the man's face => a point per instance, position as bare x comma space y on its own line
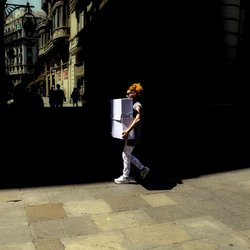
130, 94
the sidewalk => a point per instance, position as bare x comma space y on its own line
65, 104
209, 212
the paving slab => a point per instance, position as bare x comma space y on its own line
207, 212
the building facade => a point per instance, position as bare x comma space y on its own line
59, 50
21, 50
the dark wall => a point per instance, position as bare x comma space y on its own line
176, 52
156, 45
138, 41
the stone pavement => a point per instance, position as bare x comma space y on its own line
208, 212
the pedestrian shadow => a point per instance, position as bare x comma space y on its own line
160, 185
157, 180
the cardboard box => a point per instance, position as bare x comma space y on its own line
121, 117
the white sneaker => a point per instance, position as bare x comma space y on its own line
144, 172
122, 180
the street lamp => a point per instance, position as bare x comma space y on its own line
29, 25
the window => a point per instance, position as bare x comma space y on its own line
29, 56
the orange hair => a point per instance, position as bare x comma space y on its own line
136, 87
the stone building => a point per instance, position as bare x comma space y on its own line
59, 51
21, 50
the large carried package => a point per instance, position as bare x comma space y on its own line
121, 117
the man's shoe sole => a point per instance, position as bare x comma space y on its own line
120, 182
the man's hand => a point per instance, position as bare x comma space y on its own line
125, 135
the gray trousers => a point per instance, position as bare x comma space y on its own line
129, 158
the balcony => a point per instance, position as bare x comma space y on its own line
61, 33
45, 50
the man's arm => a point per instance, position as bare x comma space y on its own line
136, 120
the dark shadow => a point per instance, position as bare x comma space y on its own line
184, 137
156, 180
62, 146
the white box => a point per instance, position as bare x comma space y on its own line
121, 116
